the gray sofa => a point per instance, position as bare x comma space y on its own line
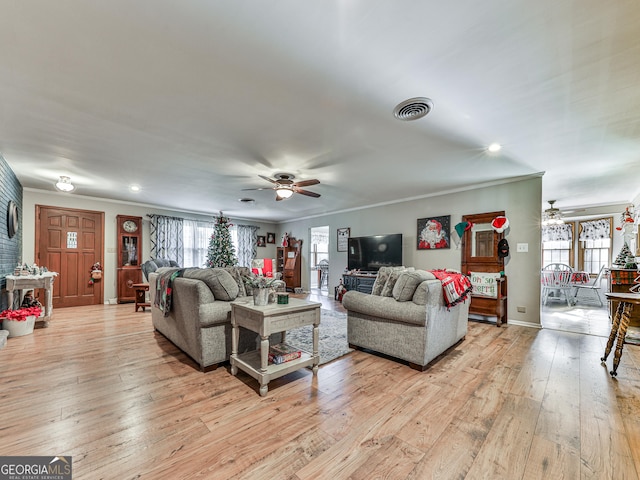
199, 320
405, 317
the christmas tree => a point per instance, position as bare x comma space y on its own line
624, 254
221, 251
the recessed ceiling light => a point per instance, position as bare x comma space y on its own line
248, 201
494, 147
134, 188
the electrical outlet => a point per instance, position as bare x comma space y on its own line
521, 309
522, 247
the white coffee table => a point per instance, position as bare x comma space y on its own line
266, 320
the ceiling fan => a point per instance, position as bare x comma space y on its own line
285, 187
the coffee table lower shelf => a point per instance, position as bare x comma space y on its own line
250, 363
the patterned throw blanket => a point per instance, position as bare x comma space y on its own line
164, 289
455, 286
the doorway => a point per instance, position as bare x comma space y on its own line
70, 241
319, 260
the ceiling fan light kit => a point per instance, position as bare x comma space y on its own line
285, 187
552, 215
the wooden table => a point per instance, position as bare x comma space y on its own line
141, 295
28, 282
620, 325
266, 320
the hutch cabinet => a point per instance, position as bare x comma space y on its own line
289, 263
129, 272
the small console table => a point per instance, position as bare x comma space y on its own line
28, 282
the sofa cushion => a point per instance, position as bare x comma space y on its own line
407, 282
222, 284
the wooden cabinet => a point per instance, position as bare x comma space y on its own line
359, 283
129, 231
620, 281
289, 263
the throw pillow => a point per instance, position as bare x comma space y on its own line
387, 290
407, 283
381, 279
240, 274
222, 284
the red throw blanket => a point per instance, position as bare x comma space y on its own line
455, 286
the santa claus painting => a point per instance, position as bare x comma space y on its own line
433, 233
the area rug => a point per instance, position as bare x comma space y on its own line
333, 336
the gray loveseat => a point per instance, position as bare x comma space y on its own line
405, 317
199, 320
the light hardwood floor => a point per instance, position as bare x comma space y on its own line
508, 403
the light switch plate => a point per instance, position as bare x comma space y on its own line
522, 247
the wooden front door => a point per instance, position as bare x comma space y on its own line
70, 241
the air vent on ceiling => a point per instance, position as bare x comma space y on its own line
413, 108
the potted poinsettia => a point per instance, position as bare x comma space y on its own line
21, 321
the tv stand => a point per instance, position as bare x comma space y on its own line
360, 282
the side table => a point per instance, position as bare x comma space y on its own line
620, 324
266, 320
141, 295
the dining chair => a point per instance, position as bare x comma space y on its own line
558, 266
556, 281
594, 286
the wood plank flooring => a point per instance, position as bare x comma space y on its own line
507, 403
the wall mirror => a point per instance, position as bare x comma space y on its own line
480, 242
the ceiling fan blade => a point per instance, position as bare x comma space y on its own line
306, 192
306, 183
262, 188
267, 179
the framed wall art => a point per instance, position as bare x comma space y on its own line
343, 238
261, 242
271, 237
434, 233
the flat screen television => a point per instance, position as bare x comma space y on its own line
370, 253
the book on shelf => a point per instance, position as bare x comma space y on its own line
282, 353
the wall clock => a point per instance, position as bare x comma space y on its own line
130, 226
12, 219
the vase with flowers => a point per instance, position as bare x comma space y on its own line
264, 287
21, 321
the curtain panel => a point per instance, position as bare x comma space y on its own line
166, 236
247, 240
595, 230
556, 233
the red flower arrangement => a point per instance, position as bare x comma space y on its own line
21, 314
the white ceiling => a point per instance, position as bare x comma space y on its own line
193, 99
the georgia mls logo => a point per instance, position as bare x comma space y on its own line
35, 468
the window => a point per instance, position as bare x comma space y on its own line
196, 242
594, 250
557, 244
197, 236
556, 252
